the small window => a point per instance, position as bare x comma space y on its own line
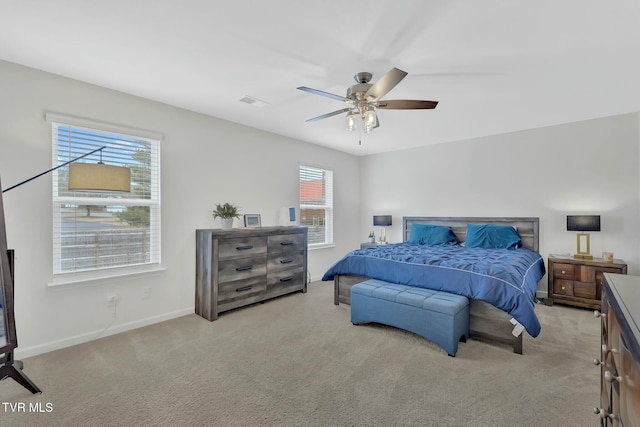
99, 230
316, 204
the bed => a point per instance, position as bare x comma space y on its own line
500, 283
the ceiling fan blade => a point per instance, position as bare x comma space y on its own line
385, 84
324, 116
322, 93
407, 104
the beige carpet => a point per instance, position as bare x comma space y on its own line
298, 361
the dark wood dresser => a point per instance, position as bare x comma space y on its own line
578, 282
238, 267
620, 359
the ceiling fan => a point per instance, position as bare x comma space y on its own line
364, 98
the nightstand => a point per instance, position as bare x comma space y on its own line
578, 282
367, 245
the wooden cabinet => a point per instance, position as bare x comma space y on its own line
620, 351
579, 282
238, 267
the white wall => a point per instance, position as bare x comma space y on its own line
204, 161
587, 167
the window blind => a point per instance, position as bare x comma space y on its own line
316, 204
97, 230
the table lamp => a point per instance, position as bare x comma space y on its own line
583, 223
382, 221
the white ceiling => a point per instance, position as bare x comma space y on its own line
495, 66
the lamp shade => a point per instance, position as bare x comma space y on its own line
99, 177
382, 220
583, 222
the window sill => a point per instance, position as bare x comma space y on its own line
113, 273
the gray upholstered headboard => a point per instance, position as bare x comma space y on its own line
528, 228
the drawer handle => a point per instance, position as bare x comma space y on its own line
286, 279
602, 316
564, 272
286, 243
286, 261
244, 248
604, 414
609, 377
606, 350
245, 268
244, 288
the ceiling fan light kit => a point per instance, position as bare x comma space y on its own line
351, 121
363, 98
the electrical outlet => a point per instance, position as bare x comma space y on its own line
112, 298
146, 292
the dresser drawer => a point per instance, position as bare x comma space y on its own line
563, 271
287, 243
242, 247
284, 262
629, 387
614, 342
291, 278
240, 289
242, 268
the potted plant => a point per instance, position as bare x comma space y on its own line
226, 212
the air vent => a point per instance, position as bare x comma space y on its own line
253, 101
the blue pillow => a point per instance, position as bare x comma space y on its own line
491, 236
425, 234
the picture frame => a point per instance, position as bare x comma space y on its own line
252, 221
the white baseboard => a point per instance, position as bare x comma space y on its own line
21, 353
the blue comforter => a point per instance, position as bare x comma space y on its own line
506, 279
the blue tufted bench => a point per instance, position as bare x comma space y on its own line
440, 317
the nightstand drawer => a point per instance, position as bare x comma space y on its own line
584, 289
563, 287
563, 271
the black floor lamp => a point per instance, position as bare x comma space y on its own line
82, 177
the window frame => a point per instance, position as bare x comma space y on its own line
154, 202
328, 206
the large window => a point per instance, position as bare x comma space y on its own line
316, 204
101, 230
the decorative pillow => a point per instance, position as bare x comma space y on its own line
425, 234
492, 236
